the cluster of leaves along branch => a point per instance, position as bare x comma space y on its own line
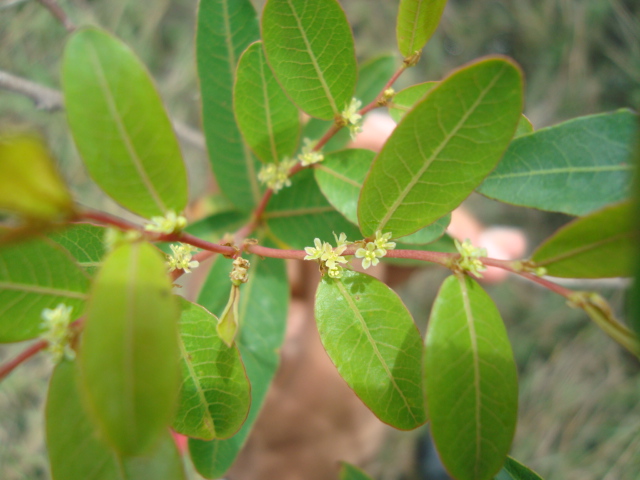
135, 359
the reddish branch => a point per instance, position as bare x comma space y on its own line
29, 352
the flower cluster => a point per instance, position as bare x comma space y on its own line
373, 251
276, 175
331, 258
170, 223
181, 258
351, 118
57, 334
308, 156
470, 258
239, 274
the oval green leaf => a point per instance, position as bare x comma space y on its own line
85, 243
404, 100
75, 450
575, 167
310, 49
269, 122
35, 275
513, 470
263, 307
599, 245
129, 351
371, 338
417, 21
225, 29
300, 212
349, 472
120, 126
215, 392
471, 381
442, 149
30, 185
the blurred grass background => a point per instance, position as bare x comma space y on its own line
579, 409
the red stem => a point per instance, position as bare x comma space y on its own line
376, 102
29, 352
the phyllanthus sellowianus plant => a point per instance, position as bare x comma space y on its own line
135, 359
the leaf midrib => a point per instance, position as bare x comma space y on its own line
23, 287
113, 109
436, 152
554, 171
372, 342
584, 248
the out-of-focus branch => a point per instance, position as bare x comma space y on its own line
48, 99
57, 11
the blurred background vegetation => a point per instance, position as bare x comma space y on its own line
579, 410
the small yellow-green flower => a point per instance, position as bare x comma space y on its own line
170, 223
351, 118
57, 333
308, 156
181, 258
470, 258
382, 242
240, 271
373, 251
276, 175
331, 258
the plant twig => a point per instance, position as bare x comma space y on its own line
57, 11
50, 100
29, 352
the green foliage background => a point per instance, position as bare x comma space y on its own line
579, 412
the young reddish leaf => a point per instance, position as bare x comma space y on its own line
120, 126
470, 381
129, 352
371, 338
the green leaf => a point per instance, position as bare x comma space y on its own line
442, 149
514, 470
371, 338
85, 243
214, 227
575, 167
599, 245
525, 127
471, 381
75, 450
35, 275
120, 126
269, 122
310, 49
215, 393
225, 29
298, 214
129, 352
340, 177
263, 314
349, 472
373, 75
30, 186
404, 100
417, 21
430, 233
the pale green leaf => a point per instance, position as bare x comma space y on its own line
371, 338
85, 243
129, 351
310, 49
225, 28
513, 470
263, 315
269, 122
35, 275
417, 21
575, 167
300, 213
75, 450
596, 246
471, 381
525, 127
120, 126
404, 100
215, 392
349, 472
430, 233
442, 149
